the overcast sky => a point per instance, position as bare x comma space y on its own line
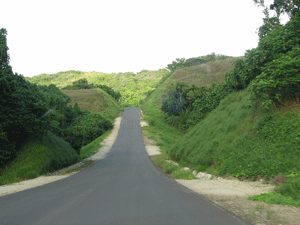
123, 35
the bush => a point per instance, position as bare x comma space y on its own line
85, 129
83, 84
280, 79
176, 101
187, 105
291, 187
238, 78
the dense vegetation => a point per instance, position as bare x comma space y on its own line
38, 156
69, 122
186, 105
22, 106
133, 88
247, 125
83, 84
271, 70
96, 101
41, 116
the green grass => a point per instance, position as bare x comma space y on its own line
275, 198
164, 134
240, 140
203, 145
236, 139
287, 193
174, 171
37, 157
205, 74
96, 101
93, 147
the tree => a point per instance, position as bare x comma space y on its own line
4, 56
279, 7
290, 7
21, 106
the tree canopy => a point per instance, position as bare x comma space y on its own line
278, 7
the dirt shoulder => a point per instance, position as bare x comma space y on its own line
232, 195
24, 185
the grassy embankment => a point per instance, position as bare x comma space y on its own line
235, 139
39, 157
164, 134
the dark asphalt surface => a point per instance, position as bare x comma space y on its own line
123, 188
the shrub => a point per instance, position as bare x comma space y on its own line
280, 79
187, 105
85, 129
291, 187
176, 101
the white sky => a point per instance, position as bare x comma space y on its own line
123, 35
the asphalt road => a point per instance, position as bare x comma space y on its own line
123, 188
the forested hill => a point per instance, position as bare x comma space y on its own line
134, 88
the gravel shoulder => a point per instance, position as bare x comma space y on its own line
39, 181
232, 194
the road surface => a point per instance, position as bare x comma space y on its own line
123, 188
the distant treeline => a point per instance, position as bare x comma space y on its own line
181, 63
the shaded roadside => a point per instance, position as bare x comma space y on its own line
68, 171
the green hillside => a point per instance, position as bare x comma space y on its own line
165, 134
204, 74
41, 130
96, 101
193, 75
133, 87
200, 75
244, 123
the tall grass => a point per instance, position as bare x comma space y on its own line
175, 171
240, 140
203, 145
93, 147
164, 134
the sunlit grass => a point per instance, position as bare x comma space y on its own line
96, 101
93, 147
174, 171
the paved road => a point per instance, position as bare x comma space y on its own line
123, 188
